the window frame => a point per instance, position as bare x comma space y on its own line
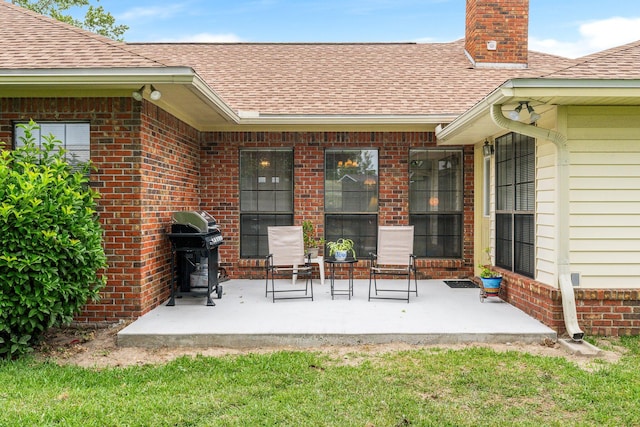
431, 210
363, 223
263, 217
515, 203
71, 153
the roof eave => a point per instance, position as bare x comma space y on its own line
464, 129
117, 80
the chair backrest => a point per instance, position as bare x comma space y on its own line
395, 244
286, 245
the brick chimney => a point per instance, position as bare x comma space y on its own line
497, 33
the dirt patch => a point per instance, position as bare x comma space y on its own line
97, 348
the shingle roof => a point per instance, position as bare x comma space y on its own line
32, 41
344, 78
622, 62
288, 78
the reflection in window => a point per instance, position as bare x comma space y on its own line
74, 138
266, 197
435, 202
515, 203
351, 197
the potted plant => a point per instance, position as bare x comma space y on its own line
491, 279
311, 242
341, 248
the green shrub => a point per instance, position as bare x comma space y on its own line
51, 253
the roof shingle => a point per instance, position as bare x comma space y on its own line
344, 78
29, 40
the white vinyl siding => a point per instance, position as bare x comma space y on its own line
604, 145
546, 213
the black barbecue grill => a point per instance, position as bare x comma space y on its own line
195, 238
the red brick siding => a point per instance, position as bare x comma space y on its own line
146, 168
503, 21
150, 165
220, 185
170, 175
609, 312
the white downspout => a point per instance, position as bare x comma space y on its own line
562, 199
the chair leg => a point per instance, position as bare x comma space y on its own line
273, 289
266, 285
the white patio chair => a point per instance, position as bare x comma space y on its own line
286, 258
394, 258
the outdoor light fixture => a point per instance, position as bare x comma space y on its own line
155, 94
137, 94
487, 149
515, 114
533, 116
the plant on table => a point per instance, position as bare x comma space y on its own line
311, 241
341, 246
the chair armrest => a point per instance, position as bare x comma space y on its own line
268, 260
374, 258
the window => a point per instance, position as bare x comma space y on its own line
75, 138
266, 197
435, 202
351, 198
515, 203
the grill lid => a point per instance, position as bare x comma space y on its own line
201, 221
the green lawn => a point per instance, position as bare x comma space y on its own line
472, 387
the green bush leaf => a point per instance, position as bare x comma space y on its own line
50, 242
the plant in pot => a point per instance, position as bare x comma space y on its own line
490, 278
311, 242
341, 248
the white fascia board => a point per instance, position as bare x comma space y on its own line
468, 118
547, 83
528, 88
134, 77
96, 75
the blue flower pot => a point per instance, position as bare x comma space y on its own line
340, 255
491, 282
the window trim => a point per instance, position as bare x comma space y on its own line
448, 213
354, 214
69, 152
257, 213
515, 214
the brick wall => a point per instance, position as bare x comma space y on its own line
147, 166
609, 312
150, 164
170, 167
503, 21
220, 183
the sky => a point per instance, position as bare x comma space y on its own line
570, 28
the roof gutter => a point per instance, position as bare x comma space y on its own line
118, 76
535, 88
562, 201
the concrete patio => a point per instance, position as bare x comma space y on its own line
244, 318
